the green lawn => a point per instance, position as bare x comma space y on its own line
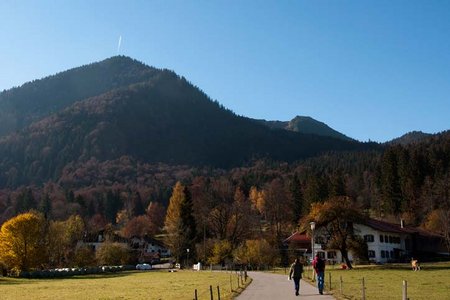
385, 282
125, 285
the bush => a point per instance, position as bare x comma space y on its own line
112, 254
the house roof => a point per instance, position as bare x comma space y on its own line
396, 228
385, 226
298, 237
305, 239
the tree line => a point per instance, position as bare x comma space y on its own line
223, 215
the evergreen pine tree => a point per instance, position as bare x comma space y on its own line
45, 206
297, 198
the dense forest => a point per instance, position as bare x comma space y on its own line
402, 181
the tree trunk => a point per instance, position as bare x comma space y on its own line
344, 253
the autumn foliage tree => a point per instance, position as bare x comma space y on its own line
22, 242
112, 254
334, 219
180, 223
438, 221
221, 252
62, 239
139, 226
256, 253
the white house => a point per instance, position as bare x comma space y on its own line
145, 248
386, 242
150, 248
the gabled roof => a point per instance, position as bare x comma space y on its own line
396, 228
298, 237
385, 226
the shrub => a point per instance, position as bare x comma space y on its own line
112, 254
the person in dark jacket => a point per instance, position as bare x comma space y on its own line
296, 273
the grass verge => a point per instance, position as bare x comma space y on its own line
126, 285
385, 282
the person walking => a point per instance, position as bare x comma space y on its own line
296, 273
319, 267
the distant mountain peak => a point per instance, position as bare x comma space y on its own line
410, 138
35, 100
306, 125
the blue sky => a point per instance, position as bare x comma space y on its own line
369, 69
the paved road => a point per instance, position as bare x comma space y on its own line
268, 286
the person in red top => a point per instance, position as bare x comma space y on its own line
319, 267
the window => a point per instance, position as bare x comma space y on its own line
383, 254
371, 253
331, 254
368, 238
386, 239
381, 238
391, 240
392, 254
387, 254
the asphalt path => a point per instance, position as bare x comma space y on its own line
269, 286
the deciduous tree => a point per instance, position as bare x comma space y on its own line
112, 254
22, 241
180, 223
334, 219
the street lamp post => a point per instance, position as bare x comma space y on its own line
187, 262
313, 227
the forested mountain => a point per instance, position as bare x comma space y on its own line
122, 144
161, 119
21, 106
409, 138
306, 125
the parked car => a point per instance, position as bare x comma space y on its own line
143, 267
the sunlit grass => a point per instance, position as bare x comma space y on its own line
385, 282
126, 285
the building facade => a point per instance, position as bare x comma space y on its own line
386, 242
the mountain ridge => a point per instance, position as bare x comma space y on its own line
34, 100
163, 119
306, 125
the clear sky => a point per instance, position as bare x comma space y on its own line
369, 69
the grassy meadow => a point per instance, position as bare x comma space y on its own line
126, 285
385, 282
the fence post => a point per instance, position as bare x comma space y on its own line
231, 283
237, 277
329, 276
211, 292
363, 290
195, 295
340, 284
405, 290
218, 292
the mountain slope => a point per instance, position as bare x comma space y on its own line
21, 106
306, 125
410, 138
164, 119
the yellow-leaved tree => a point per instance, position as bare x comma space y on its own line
173, 226
334, 220
22, 242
